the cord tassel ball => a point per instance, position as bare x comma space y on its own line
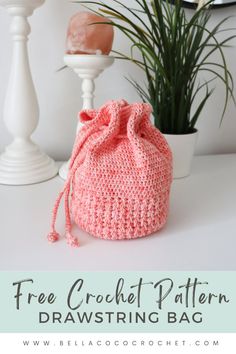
53, 237
71, 240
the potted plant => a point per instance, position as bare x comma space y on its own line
173, 50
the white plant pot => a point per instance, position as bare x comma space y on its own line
182, 147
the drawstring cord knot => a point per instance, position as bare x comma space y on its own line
53, 236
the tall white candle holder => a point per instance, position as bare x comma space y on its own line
88, 68
22, 161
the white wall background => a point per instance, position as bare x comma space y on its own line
59, 92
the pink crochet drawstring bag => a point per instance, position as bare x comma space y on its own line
120, 175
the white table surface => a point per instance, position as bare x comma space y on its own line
200, 233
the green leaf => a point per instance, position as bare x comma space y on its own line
173, 52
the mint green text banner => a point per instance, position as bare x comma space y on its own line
117, 302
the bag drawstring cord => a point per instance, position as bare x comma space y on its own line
54, 236
75, 161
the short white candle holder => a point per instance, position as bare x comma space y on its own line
22, 162
88, 68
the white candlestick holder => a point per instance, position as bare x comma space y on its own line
88, 68
22, 161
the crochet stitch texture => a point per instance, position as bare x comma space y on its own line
120, 175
